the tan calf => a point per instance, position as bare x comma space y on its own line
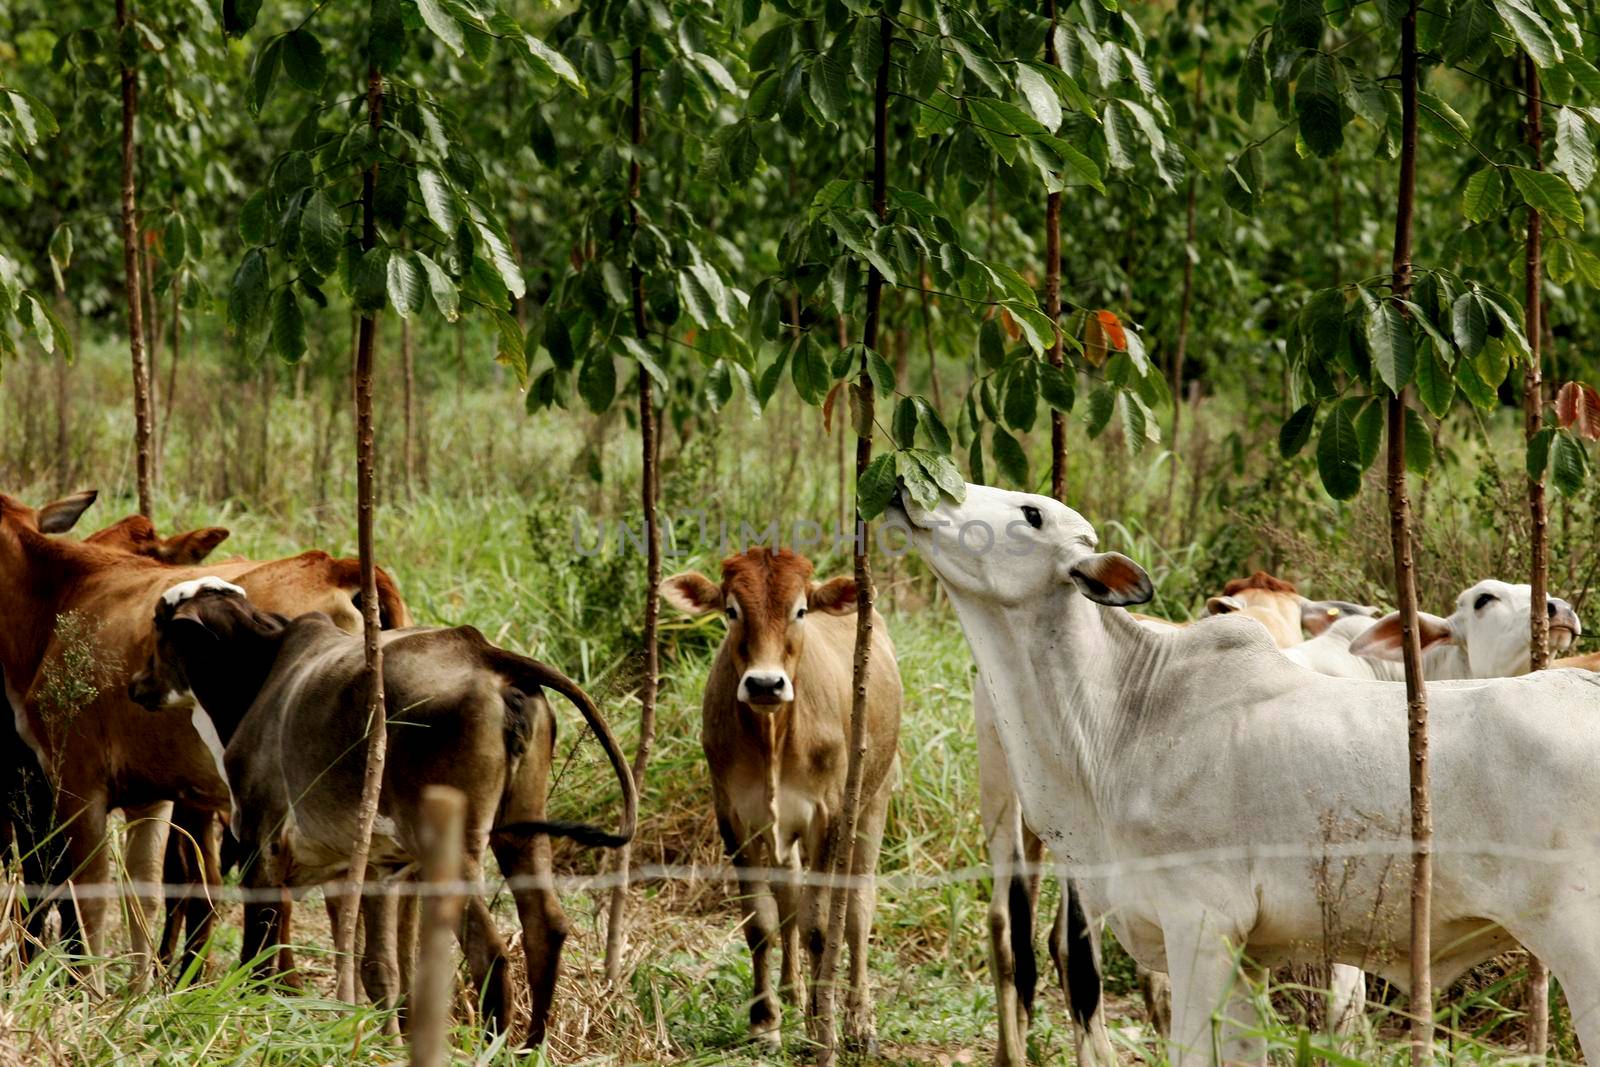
775, 726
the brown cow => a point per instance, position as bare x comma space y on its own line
78, 618
775, 725
288, 699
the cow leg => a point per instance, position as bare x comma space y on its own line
144, 850
1155, 989
1205, 980
337, 917
1566, 940
1011, 957
192, 861
380, 966
1347, 1000
1075, 950
265, 925
486, 953
759, 912
860, 1029
526, 862
89, 865
789, 895
407, 909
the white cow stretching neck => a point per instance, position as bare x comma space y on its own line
1211, 789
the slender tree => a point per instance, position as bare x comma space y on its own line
1052, 292
377, 721
1405, 577
842, 831
1538, 542
616, 929
130, 263
1186, 299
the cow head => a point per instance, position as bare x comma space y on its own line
183, 635
136, 534
1011, 547
766, 596
1278, 606
20, 523
1490, 624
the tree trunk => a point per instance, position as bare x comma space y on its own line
842, 828
377, 721
152, 351
840, 415
170, 394
1406, 582
409, 450
1538, 1007
650, 456
1052, 293
1186, 301
130, 268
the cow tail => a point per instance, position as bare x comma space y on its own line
530, 673
392, 611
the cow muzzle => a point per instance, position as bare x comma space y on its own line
151, 694
1565, 627
765, 688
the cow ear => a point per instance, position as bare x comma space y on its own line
1223, 605
1113, 579
837, 596
1383, 639
186, 549
1316, 616
59, 516
691, 592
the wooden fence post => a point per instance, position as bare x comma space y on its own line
443, 816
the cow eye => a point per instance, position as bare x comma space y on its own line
1031, 513
1483, 601
731, 612
800, 612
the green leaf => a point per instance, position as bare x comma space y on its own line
445, 295
830, 83
1436, 386
1538, 460
1339, 455
1481, 198
552, 64
1300, 22
1442, 120
557, 341
247, 294
1055, 385
945, 474
386, 35
1241, 183
933, 427
809, 372
541, 138
981, 66
437, 199
264, 73
60, 251
1316, 106
1569, 464
1118, 132
369, 280
1296, 432
442, 23
975, 459
597, 379
1574, 150
288, 326
239, 16
1469, 323
1419, 444
1041, 97
1389, 337
505, 264
322, 233
1010, 458
1547, 193
1531, 30
405, 285
1471, 26
1368, 414
876, 486
303, 60
1020, 402
903, 427
881, 373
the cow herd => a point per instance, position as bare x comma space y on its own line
1198, 781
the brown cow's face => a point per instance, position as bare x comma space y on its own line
21, 525
765, 596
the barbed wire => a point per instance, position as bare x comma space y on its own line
403, 882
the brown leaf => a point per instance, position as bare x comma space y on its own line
1094, 341
1013, 331
1578, 407
1112, 327
827, 408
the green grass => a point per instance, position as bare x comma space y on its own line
488, 541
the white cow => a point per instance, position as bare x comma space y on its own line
1195, 774
1485, 637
